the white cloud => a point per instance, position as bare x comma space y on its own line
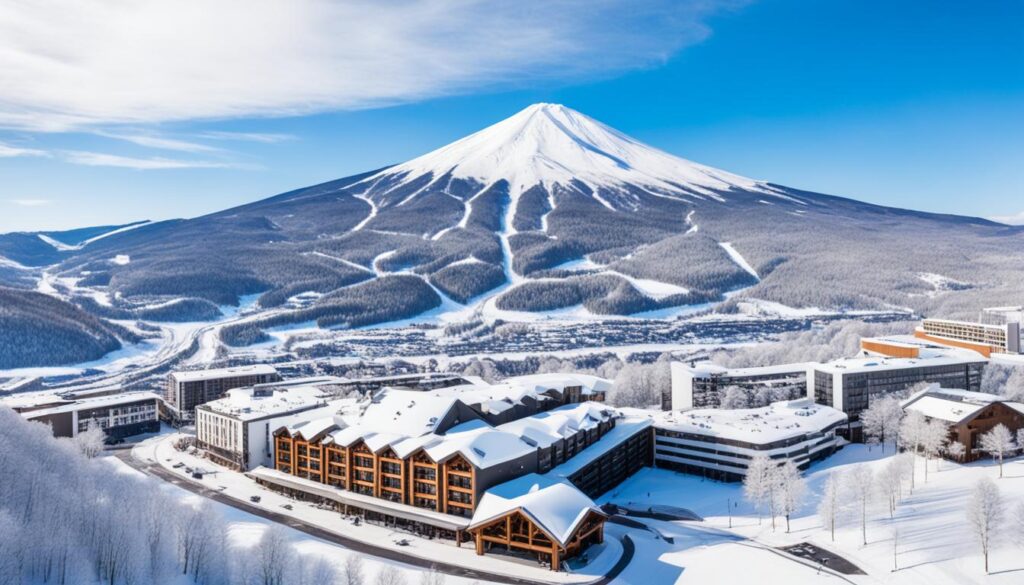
1017, 219
31, 202
8, 151
68, 63
159, 142
267, 138
101, 159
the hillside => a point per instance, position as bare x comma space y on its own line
40, 330
549, 210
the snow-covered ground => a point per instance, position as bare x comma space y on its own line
935, 546
236, 485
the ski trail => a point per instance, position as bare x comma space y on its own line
694, 228
372, 214
343, 261
739, 259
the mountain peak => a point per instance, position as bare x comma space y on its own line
547, 144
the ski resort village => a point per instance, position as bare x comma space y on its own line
473, 292
898, 463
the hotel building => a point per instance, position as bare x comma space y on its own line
188, 389
699, 385
431, 462
719, 444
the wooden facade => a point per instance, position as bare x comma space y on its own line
968, 432
517, 532
449, 486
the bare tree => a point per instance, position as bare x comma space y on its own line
390, 575
862, 489
882, 420
352, 571
273, 556
934, 437
890, 480
984, 514
792, 489
912, 431
998, 443
830, 504
757, 483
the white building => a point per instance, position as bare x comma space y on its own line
719, 444
699, 385
237, 430
119, 415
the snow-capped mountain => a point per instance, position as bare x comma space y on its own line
550, 145
548, 210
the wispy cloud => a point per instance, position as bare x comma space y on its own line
101, 159
67, 63
1017, 219
267, 138
160, 142
30, 202
8, 151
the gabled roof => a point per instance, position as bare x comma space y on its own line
408, 412
311, 430
481, 445
554, 506
954, 405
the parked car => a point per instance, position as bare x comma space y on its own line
254, 499
178, 465
287, 506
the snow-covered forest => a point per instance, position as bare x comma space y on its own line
69, 519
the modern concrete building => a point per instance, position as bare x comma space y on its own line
984, 338
119, 415
850, 384
237, 430
969, 414
700, 384
719, 444
188, 389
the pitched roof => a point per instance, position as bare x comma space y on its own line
555, 506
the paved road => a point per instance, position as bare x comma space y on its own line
353, 544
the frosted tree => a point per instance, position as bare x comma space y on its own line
912, 431
984, 514
352, 571
90, 441
758, 483
390, 575
862, 489
956, 450
998, 443
934, 437
733, 398
792, 489
890, 480
273, 556
882, 420
830, 504
432, 577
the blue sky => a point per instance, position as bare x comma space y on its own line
910, 104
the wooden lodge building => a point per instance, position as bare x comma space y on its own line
969, 414
439, 463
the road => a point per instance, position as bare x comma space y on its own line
352, 544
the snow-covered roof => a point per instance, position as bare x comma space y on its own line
90, 403
233, 372
261, 401
776, 422
409, 412
934, 357
706, 369
625, 427
555, 506
546, 428
482, 445
310, 429
591, 384
953, 405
